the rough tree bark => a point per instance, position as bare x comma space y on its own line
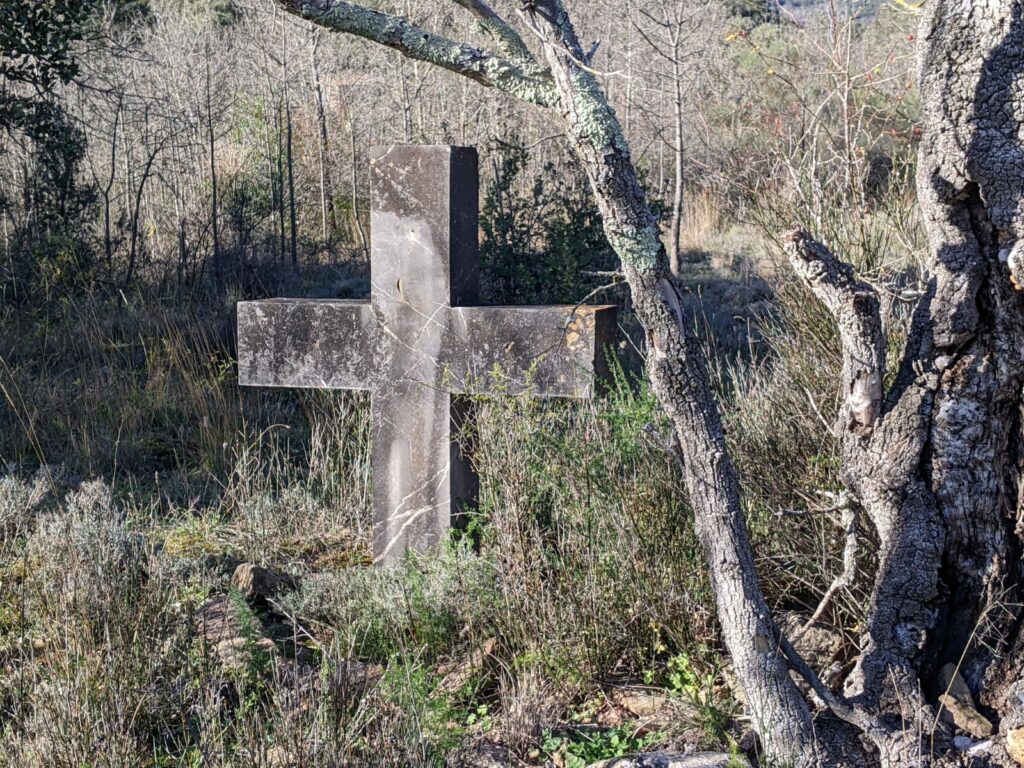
934, 460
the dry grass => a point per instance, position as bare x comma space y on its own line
584, 572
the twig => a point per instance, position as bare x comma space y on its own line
851, 520
839, 707
574, 59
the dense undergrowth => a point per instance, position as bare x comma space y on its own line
579, 573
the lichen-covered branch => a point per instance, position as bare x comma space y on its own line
504, 35
855, 307
417, 43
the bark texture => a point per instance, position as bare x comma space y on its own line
933, 460
936, 469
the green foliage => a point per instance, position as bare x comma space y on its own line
583, 506
580, 748
755, 10
427, 727
37, 41
696, 677
130, 13
421, 603
52, 253
539, 242
252, 675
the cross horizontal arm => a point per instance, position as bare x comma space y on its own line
417, 43
312, 344
547, 351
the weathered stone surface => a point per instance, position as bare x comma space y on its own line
237, 653
1015, 744
958, 704
421, 339
668, 760
228, 636
216, 620
641, 702
819, 644
653, 709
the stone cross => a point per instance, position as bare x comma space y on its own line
421, 341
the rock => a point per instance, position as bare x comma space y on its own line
963, 743
818, 644
653, 708
980, 748
668, 760
458, 676
238, 653
258, 583
1015, 744
958, 704
217, 621
232, 639
642, 702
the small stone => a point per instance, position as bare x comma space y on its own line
980, 748
958, 704
963, 743
238, 652
231, 637
216, 620
258, 583
642, 702
1015, 744
818, 644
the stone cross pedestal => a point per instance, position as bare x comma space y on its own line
420, 341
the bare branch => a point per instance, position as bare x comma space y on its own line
417, 43
851, 528
856, 309
855, 716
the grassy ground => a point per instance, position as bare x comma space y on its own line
139, 477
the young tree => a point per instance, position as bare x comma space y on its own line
676, 34
933, 459
37, 42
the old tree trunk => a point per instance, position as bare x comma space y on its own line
934, 460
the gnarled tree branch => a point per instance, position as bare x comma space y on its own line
679, 377
417, 43
856, 310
